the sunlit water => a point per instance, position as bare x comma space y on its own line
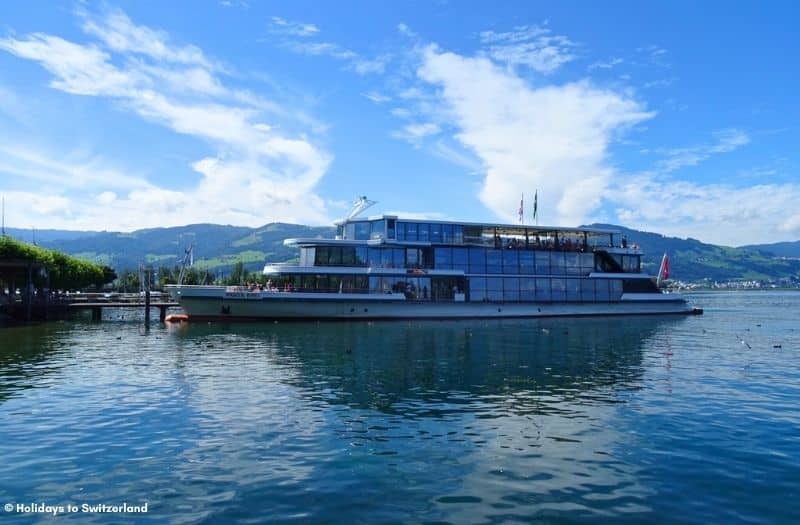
619, 420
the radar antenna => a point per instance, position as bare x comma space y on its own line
361, 204
188, 259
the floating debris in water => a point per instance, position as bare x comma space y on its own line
777, 346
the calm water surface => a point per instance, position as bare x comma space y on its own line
622, 420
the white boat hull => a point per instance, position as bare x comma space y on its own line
216, 304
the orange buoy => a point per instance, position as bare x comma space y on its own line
176, 318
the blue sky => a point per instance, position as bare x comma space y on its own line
676, 117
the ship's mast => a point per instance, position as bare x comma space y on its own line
361, 204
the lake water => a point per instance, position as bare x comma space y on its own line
618, 420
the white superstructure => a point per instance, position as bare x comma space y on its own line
388, 267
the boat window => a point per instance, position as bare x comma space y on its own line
361, 283
494, 288
586, 263
362, 231
615, 289
511, 261
447, 234
374, 255
572, 263
527, 289
378, 229
401, 231
526, 262
630, 263
573, 289
587, 289
340, 231
335, 255
443, 258
390, 228
361, 256
321, 258
411, 231
436, 232
494, 261
601, 290
477, 289
412, 258
386, 258
423, 232
460, 261
350, 231
458, 234
559, 289
543, 263
543, 290
398, 258
477, 260
511, 288
557, 264
348, 255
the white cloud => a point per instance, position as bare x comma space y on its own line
414, 133
553, 138
727, 140
717, 213
281, 26
531, 46
268, 172
376, 97
605, 64
120, 34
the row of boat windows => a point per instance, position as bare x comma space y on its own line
403, 231
444, 289
470, 260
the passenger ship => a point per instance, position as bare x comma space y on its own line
389, 267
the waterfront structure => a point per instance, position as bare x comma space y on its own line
389, 267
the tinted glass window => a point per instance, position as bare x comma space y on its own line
362, 231
494, 261
443, 258
423, 232
436, 232
511, 289
411, 231
321, 256
511, 261
477, 260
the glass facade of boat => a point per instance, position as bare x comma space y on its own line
440, 261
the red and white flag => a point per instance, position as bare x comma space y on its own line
663, 271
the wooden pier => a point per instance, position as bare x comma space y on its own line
97, 307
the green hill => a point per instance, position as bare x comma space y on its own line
693, 260
216, 247
780, 249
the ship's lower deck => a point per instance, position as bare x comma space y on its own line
274, 308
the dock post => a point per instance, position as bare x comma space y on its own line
29, 293
146, 298
162, 313
97, 313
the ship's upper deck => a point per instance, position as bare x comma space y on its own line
395, 230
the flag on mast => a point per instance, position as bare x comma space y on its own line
521, 201
663, 270
536, 207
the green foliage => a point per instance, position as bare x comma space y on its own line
65, 272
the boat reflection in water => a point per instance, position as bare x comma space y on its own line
501, 413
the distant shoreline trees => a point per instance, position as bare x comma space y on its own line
63, 272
